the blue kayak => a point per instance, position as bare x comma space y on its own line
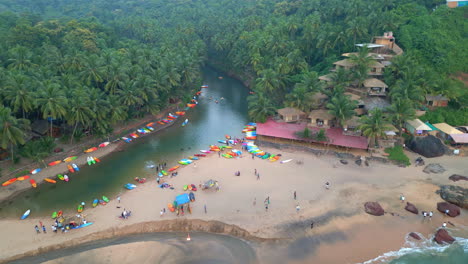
83, 225
130, 186
25, 215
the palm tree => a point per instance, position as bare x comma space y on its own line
400, 111
52, 101
260, 107
19, 94
79, 113
362, 62
12, 130
373, 126
20, 58
407, 89
341, 77
342, 107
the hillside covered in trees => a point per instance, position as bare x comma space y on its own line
93, 63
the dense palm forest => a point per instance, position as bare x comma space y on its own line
93, 63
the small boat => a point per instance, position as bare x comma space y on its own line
164, 172
50, 180
151, 124
198, 93
104, 144
54, 215
161, 123
102, 202
59, 213
33, 183
188, 237
205, 151
95, 202
80, 208
204, 86
126, 139
181, 113
193, 158
129, 186
133, 135
35, 171
60, 176
75, 167
82, 225
199, 155
92, 160
160, 175
150, 128
22, 178
140, 180
105, 199
90, 150
26, 214
227, 156
53, 163
70, 168
191, 105
173, 168
88, 160
285, 161
96, 159
65, 178
185, 122
68, 159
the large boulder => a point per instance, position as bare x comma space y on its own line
428, 146
434, 168
458, 177
411, 208
415, 236
455, 195
373, 208
442, 236
453, 210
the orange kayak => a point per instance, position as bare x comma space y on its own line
191, 105
10, 181
68, 159
150, 124
22, 178
53, 163
50, 180
173, 168
90, 150
180, 113
96, 159
70, 168
33, 183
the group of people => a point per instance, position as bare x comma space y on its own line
59, 226
125, 214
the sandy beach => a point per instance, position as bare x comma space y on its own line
340, 222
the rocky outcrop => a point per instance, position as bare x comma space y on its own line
411, 208
458, 177
415, 236
453, 210
434, 168
442, 236
455, 195
373, 208
428, 146
344, 162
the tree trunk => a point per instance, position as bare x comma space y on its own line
73, 133
12, 153
51, 125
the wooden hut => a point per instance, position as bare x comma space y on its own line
290, 114
417, 127
321, 118
433, 101
375, 87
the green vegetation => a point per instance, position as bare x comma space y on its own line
396, 153
374, 126
449, 115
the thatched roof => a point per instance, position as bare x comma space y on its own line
373, 82
353, 96
344, 63
326, 77
321, 114
289, 111
319, 96
360, 111
353, 122
40, 127
436, 98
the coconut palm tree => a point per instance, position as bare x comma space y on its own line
19, 93
373, 126
342, 107
52, 102
20, 58
400, 111
260, 107
362, 62
12, 130
79, 112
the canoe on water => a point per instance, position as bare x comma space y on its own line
33, 183
65, 178
95, 202
70, 168
90, 150
68, 159
53, 163
104, 144
50, 180
130, 186
35, 171
205, 151
22, 178
10, 181
75, 167
26, 214
185, 122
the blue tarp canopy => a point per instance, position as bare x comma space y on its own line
182, 199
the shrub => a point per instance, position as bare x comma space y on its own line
321, 135
396, 153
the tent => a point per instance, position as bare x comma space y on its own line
210, 184
182, 199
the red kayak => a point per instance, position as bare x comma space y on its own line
173, 168
199, 155
70, 168
53, 163
10, 181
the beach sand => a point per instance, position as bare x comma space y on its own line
338, 213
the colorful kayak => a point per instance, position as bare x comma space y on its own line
173, 168
65, 178
75, 167
199, 155
126, 139
285, 161
50, 180
104, 144
130, 186
10, 181
68, 159
80, 208
35, 171
180, 113
82, 225
60, 176
54, 215
133, 135
22, 178
102, 202
53, 163
33, 183
164, 172
95, 202
105, 199
193, 158
90, 150
70, 168
26, 214
185, 122
60, 213
96, 159
205, 151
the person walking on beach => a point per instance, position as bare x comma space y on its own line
255, 201
295, 195
161, 213
327, 185
219, 154
298, 208
424, 213
255, 172
430, 215
40, 224
37, 229
44, 229
258, 176
312, 225
402, 198
118, 199
253, 156
205, 209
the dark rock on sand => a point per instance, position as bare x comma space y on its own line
415, 236
358, 162
453, 209
373, 208
457, 177
442, 236
455, 195
411, 208
434, 168
428, 146
344, 162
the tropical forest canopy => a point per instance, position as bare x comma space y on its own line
93, 63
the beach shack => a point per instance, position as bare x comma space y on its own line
446, 130
459, 139
321, 118
417, 127
375, 87
433, 101
290, 114
351, 127
319, 99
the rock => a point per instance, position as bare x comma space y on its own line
411, 208
442, 236
434, 168
428, 146
453, 209
373, 208
455, 195
344, 162
457, 177
358, 162
415, 236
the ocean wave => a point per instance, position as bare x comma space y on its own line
424, 246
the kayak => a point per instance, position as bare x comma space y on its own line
26, 214
149, 128
104, 144
160, 175
90, 150
60, 176
150, 124
50, 180
80, 208
275, 158
35, 171
105, 199
60, 213
82, 225
75, 167
70, 168
193, 158
285, 161
191, 105
53, 163
33, 183
68, 159
22, 178
130, 186
173, 168
185, 122
161, 123
95, 202
96, 159
180, 113
54, 215
10, 181
205, 151
126, 139
199, 155
65, 178
88, 160
164, 172
133, 135
204, 86
226, 156
92, 160
102, 202
140, 180
198, 93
